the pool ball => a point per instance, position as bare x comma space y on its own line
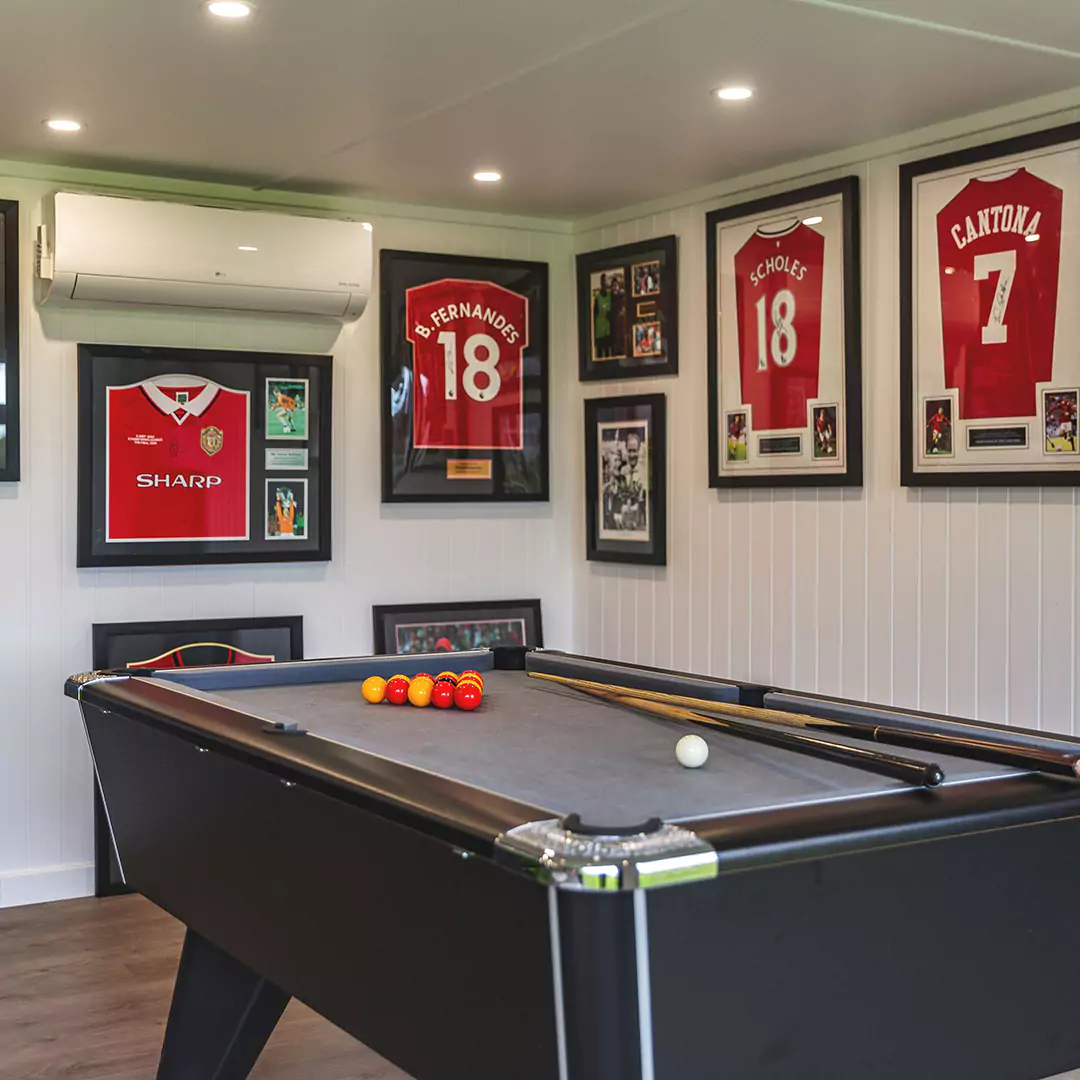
474, 674
424, 676
692, 751
397, 690
471, 679
444, 676
468, 696
442, 694
420, 692
374, 689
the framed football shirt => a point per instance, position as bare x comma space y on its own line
785, 385
184, 456
990, 262
464, 378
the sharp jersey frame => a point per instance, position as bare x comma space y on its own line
10, 463
910, 172
847, 188
133, 364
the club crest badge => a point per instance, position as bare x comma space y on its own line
211, 440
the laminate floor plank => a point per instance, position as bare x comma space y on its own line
84, 995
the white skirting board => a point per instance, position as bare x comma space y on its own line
46, 884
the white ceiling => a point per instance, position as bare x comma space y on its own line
584, 105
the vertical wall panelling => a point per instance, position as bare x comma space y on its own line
381, 554
957, 600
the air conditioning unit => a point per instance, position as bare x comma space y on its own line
100, 249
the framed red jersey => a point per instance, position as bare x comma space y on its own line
464, 378
178, 449
989, 262
784, 339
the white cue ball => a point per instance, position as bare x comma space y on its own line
692, 751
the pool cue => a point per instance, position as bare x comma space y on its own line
1034, 759
919, 773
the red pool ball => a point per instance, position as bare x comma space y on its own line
468, 696
442, 696
472, 673
397, 690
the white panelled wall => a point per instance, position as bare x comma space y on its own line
955, 600
381, 554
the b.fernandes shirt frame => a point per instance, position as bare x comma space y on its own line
785, 339
989, 329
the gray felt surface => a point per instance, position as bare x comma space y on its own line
555, 748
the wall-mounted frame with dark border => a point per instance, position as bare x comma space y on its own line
190, 456
407, 629
628, 311
464, 378
142, 646
989, 338
626, 479
9, 341
785, 339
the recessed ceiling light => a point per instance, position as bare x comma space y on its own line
63, 125
1032, 238
816, 220
734, 93
367, 225
247, 247
487, 176
230, 9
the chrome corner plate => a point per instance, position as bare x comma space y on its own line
669, 856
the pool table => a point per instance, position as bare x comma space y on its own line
537, 890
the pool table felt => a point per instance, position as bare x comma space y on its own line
554, 747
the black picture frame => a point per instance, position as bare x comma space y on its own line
307, 521
390, 620
10, 441
654, 303
114, 642
464, 473
851, 408
619, 416
980, 159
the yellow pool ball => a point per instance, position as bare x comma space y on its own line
420, 692
374, 689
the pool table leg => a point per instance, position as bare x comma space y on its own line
222, 1013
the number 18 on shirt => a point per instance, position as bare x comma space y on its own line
468, 338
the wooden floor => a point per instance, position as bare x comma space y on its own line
84, 993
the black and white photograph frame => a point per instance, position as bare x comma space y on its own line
456, 626
785, 337
458, 434
175, 457
9, 341
988, 318
626, 479
628, 310
146, 646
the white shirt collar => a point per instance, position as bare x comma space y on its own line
196, 406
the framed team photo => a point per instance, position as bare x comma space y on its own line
784, 339
404, 629
990, 328
144, 646
287, 409
180, 460
464, 378
626, 479
9, 340
628, 311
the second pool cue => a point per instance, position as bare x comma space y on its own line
918, 773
